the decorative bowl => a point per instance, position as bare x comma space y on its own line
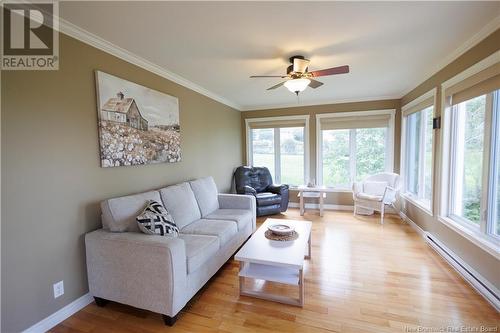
281, 228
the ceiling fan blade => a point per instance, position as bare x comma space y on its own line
315, 84
300, 65
331, 71
257, 76
277, 86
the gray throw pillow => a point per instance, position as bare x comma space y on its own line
156, 220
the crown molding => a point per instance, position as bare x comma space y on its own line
89, 38
487, 30
323, 102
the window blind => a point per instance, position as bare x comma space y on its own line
277, 123
420, 106
348, 122
478, 84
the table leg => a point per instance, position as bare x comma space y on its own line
321, 201
309, 247
301, 287
301, 204
241, 279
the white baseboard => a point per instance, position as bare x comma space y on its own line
325, 206
469, 274
59, 316
389, 210
476, 280
412, 224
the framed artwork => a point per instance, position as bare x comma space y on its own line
137, 125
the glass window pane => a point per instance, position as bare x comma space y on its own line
427, 174
292, 155
335, 154
494, 218
418, 155
370, 151
496, 223
412, 162
263, 148
468, 164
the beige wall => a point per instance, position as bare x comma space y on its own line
486, 264
52, 181
337, 198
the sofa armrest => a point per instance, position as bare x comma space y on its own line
239, 201
281, 189
246, 190
277, 188
145, 271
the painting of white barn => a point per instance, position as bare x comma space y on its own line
137, 125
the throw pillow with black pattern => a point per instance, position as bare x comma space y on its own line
156, 220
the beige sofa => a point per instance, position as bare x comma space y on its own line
162, 274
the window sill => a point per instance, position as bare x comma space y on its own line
418, 203
483, 241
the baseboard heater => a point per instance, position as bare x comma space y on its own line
482, 286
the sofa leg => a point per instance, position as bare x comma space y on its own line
100, 301
169, 321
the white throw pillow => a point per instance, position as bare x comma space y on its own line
374, 188
156, 220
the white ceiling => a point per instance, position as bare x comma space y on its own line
391, 47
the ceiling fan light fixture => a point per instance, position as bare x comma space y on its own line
297, 85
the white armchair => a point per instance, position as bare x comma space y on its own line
373, 193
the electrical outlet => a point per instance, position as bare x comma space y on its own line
58, 289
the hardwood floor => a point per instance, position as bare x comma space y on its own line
362, 277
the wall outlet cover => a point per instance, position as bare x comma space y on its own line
58, 289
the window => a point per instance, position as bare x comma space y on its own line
353, 145
417, 150
471, 154
263, 148
336, 157
292, 155
280, 144
494, 196
468, 123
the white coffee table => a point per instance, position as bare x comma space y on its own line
277, 261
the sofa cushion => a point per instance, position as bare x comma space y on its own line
179, 200
156, 220
242, 217
199, 248
268, 198
223, 229
205, 192
118, 214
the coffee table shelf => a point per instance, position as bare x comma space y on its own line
275, 261
270, 273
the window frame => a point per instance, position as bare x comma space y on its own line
277, 147
407, 110
494, 167
389, 162
478, 236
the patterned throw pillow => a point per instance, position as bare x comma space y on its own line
156, 220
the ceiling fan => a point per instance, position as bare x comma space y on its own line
299, 78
